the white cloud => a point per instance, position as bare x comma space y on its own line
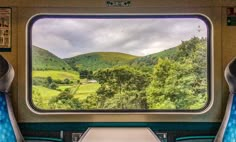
71, 37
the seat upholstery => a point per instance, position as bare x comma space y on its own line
6, 129
230, 131
9, 130
227, 131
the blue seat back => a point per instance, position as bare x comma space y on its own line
230, 130
6, 129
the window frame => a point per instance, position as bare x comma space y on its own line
202, 17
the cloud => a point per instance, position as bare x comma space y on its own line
70, 37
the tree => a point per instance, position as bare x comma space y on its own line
49, 79
181, 82
90, 102
66, 81
65, 100
53, 86
118, 84
37, 99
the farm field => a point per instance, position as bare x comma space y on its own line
43, 95
56, 75
86, 89
46, 93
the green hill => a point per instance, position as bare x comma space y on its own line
99, 60
45, 60
151, 60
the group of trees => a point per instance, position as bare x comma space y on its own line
51, 83
180, 82
176, 82
122, 88
65, 101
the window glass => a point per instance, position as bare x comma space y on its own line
119, 63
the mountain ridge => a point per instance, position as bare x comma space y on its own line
45, 60
97, 60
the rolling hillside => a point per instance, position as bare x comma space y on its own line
45, 60
99, 60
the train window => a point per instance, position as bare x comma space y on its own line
119, 63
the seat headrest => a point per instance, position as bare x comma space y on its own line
6, 75
230, 76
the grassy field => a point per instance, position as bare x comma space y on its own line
83, 91
46, 92
63, 87
45, 95
86, 89
56, 75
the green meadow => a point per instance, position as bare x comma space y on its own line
56, 75
86, 89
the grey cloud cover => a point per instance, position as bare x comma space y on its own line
70, 37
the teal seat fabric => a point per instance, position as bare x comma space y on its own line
230, 131
6, 129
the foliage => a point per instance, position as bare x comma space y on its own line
86, 74
181, 82
53, 86
42, 95
66, 81
121, 86
151, 60
90, 102
37, 99
65, 100
49, 80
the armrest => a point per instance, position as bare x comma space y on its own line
196, 139
42, 139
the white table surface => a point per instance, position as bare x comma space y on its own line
119, 135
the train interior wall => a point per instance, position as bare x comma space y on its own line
207, 123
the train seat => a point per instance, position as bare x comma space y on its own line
9, 131
227, 131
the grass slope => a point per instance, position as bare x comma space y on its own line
86, 89
46, 92
45, 60
99, 60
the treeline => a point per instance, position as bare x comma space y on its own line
180, 82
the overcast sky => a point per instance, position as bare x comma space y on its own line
70, 37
